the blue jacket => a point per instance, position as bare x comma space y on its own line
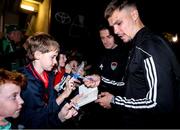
37, 112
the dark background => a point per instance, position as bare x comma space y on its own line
159, 15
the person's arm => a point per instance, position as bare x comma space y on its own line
149, 98
36, 111
92, 80
159, 77
70, 110
69, 87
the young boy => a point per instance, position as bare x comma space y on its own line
10, 100
42, 107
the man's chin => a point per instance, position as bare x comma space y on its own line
125, 40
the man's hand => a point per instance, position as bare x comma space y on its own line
104, 99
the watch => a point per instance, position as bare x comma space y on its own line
112, 100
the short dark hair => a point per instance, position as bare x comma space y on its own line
104, 25
117, 4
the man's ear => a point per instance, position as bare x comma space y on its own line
37, 55
134, 14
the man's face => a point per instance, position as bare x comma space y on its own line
122, 23
15, 36
107, 39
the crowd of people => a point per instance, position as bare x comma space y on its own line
12, 52
137, 76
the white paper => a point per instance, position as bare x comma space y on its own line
89, 95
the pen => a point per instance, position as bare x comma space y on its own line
88, 78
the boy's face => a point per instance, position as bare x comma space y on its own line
74, 65
48, 60
10, 100
62, 60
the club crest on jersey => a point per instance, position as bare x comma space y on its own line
101, 66
114, 65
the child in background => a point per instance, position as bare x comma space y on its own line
10, 100
61, 71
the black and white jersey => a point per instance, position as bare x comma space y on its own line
150, 74
111, 68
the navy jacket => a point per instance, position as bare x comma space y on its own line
38, 113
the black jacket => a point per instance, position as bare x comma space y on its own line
111, 68
150, 77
